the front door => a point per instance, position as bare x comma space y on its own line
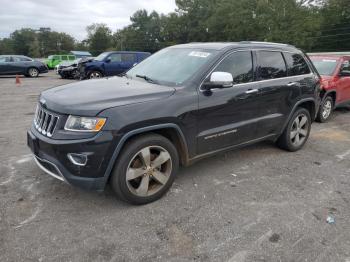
113, 66
227, 117
344, 83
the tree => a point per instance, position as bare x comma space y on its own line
99, 38
22, 40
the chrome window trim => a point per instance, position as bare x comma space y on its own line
258, 81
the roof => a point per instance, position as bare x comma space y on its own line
227, 45
331, 53
83, 53
126, 52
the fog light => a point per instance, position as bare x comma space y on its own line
78, 159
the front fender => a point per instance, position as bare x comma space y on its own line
139, 131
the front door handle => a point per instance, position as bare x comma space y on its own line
252, 91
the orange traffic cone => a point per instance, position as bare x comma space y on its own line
18, 80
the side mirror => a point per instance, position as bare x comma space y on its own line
108, 60
344, 73
219, 80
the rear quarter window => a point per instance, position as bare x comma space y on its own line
271, 65
296, 64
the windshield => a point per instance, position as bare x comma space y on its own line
325, 66
172, 66
101, 57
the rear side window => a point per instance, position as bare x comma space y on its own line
240, 65
271, 65
128, 58
4, 59
64, 57
296, 64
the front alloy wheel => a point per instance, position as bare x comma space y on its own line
145, 169
95, 74
149, 171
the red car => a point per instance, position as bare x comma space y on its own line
335, 74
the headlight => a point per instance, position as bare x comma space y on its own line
84, 124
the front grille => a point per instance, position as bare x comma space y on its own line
45, 122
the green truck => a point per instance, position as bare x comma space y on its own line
54, 60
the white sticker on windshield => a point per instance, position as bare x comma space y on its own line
329, 60
199, 54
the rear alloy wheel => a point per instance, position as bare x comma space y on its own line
145, 170
33, 72
326, 109
95, 74
297, 131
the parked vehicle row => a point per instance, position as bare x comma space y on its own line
182, 104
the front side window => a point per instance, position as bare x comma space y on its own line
101, 57
173, 66
115, 58
128, 57
271, 65
325, 66
296, 64
16, 59
240, 65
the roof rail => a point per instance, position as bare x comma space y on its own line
265, 43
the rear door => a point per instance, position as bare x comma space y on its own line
5, 65
227, 117
279, 88
128, 60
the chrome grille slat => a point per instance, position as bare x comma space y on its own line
45, 122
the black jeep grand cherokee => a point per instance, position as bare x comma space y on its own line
181, 104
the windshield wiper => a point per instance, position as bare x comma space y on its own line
148, 79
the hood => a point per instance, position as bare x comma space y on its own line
88, 98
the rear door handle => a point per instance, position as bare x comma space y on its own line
292, 84
252, 91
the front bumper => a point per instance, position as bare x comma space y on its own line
52, 157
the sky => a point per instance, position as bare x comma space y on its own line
72, 16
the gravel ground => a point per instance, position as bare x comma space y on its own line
253, 204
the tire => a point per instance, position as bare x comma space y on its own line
138, 179
33, 72
297, 131
326, 110
95, 74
